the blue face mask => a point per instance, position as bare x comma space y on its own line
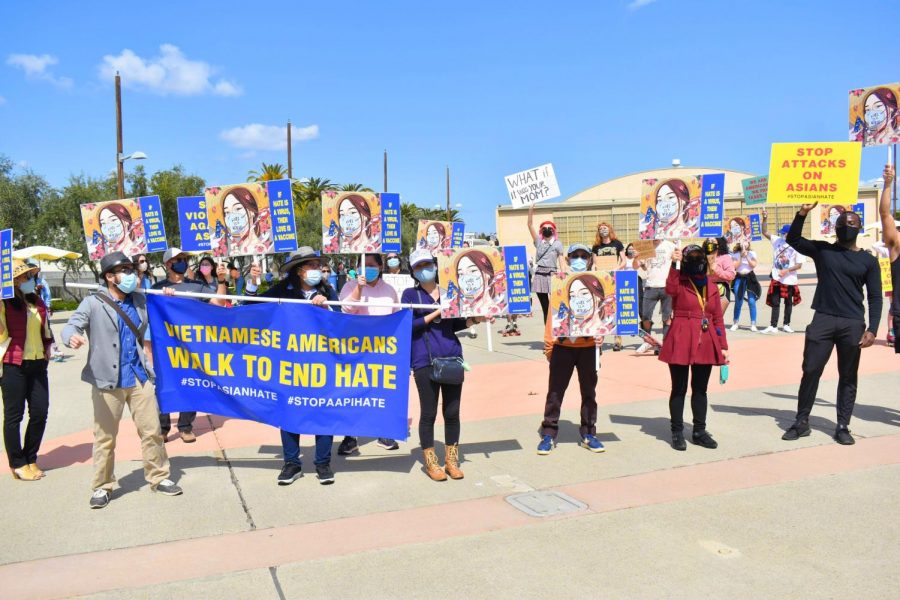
269, 277
313, 277
372, 274
28, 286
393, 262
578, 264
127, 283
426, 274
179, 267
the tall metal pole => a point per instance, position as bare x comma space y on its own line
290, 170
894, 191
120, 169
385, 172
448, 193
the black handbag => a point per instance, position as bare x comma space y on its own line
447, 370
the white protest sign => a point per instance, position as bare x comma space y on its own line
398, 281
532, 186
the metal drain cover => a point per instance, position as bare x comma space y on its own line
545, 504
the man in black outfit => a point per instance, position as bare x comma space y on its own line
843, 269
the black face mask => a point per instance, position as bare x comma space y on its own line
694, 267
710, 248
846, 234
547, 231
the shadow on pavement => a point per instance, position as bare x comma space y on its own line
657, 427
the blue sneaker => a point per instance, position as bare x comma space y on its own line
592, 443
546, 445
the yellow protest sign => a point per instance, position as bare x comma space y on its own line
803, 173
885, 264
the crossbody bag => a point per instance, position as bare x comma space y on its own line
138, 332
447, 370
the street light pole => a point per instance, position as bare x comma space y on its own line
120, 169
385, 172
290, 170
448, 193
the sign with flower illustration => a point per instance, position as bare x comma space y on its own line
874, 115
351, 222
113, 226
435, 236
583, 305
240, 221
670, 208
472, 282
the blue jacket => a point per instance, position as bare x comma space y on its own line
442, 340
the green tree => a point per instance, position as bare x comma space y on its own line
22, 197
137, 182
169, 185
354, 187
268, 172
309, 194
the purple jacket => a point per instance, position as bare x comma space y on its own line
441, 334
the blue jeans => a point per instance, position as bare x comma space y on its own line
740, 287
290, 443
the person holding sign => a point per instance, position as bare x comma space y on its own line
843, 270
746, 285
655, 290
695, 343
119, 369
891, 238
784, 284
567, 354
303, 281
548, 259
25, 340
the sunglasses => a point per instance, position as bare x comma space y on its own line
124, 271
580, 255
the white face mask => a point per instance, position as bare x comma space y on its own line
581, 306
112, 231
432, 239
735, 230
604, 232
237, 222
350, 223
471, 283
874, 118
666, 208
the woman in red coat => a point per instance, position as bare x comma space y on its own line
695, 343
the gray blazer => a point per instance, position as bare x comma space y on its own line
101, 323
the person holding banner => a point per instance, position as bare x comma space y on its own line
380, 298
745, 285
119, 370
303, 280
843, 270
890, 235
434, 338
696, 342
565, 355
548, 259
784, 284
25, 340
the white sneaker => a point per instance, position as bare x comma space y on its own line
735, 327
787, 329
754, 329
643, 348
770, 329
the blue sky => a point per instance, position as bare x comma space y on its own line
599, 89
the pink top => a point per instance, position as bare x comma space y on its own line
379, 294
723, 269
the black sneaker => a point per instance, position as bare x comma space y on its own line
796, 431
388, 444
99, 499
348, 446
290, 473
324, 474
167, 487
842, 436
678, 442
702, 438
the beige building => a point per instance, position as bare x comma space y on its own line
617, 202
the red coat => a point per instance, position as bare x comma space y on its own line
687, 343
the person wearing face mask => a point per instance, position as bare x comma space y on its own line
843, 270
721, 268
696, 342
145, 276
25, 340
393, 263
655, 290
176, 280
606, 243
303, 280
379, 299
119, 368
206, 272
548, 260
565, 355
784, 284
746, 285
434, 337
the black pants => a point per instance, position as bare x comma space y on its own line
24, 384
699, 375
428, 401
788, 307
563, 361
822, 335
185, 421
544, 299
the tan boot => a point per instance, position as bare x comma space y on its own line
36, 470
452, 463
432, 467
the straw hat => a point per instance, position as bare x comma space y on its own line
20, 267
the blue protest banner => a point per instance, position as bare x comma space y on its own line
193, 224
627, 319
755, 228
154, 228
281, 204
457, 235
6, 269
390, 222
518, 288
295, 366
860, 209
712, 187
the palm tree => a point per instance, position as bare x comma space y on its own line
268, 173
355, 187
310, 192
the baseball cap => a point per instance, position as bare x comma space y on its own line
576, 247
419, 256
171, 253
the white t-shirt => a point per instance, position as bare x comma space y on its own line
658, 266
743, 267
785, 257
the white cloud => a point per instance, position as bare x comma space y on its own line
636, 4
267, 137
169, 73
36, 68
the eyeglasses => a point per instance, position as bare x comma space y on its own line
124, 270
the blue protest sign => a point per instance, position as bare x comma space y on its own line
154, 228
193, 224
293, 366
6, 269
860, 209
712, 205
390, 222
457, 235
281, 204
755, 228
518, 288
627, 313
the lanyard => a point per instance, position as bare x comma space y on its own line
700, 297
